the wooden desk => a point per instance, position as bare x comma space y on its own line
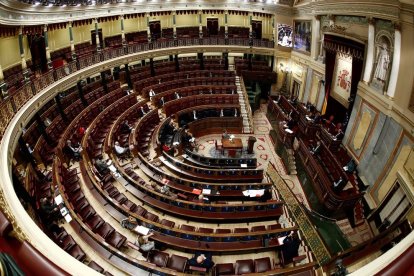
236, 144
232, 146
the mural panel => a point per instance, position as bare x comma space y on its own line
302, 36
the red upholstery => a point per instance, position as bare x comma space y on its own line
223, 269
205, 230
241, 230
33, 261
140, 211
116, 239
77, 253
167, 223
96, 267
262, 265
223, 231
151, 217
95, 222
187, 227
5, 226
258, 228
67, 243
105, 230
274, 226
177, 263
158, 258
87, 212
244, 267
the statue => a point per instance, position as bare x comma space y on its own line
383, 60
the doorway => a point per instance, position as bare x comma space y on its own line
212, 26
155, 29
257, 29
38, 51
93, 37
295, 88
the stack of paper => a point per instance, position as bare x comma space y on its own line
206, 191
142, 230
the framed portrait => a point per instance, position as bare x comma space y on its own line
302, 36
284, 35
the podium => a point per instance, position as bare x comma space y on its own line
250, 144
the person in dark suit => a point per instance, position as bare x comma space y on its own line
201, 259
316, 149
290, 247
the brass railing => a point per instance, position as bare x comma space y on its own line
310, 234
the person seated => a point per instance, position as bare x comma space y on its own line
329, 122
339, 135
151, 94
317, 119
225, 135
125, 127
290, 124
167, 149
201, 259
350, 166
277, 100
74, 150
144, 243
101, 166
177, 96
162, 101
49, 209
81, 132
195, 115
129, 223
120, 150
143, 111
316, 149
337, 184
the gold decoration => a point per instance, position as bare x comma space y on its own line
313, 239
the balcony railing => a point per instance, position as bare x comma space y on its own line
12, 102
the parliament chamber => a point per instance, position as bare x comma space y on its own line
168, 137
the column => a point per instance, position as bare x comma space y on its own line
80, 92
177, 63
104, 82
250, 28
152, 67
226, 60
23, 59
226, 25
392, 85
124, 42
49, 61
147, 16
128, 76
72, 44
369, 62
98, 42
200, 26
60, 108
201, 59
317, 35
174, 25
275, 34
